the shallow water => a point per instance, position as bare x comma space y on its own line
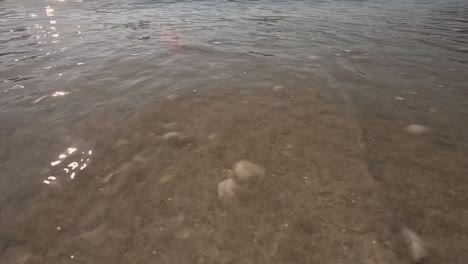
356, 111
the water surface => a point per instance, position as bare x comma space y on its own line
320, 94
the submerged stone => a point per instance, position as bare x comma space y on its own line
245, 170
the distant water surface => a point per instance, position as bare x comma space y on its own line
121, 120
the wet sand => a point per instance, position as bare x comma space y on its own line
332, 192
122, 128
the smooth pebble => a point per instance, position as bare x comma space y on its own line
415, 244
226, 188
416, 129
213, 137
166, 178
278, 87
172, 136
184, 233
172, 97
245, 170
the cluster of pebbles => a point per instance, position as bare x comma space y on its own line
242, 171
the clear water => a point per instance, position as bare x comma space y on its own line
355, 109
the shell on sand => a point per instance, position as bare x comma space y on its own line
245, 170
226, 188
415, 244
